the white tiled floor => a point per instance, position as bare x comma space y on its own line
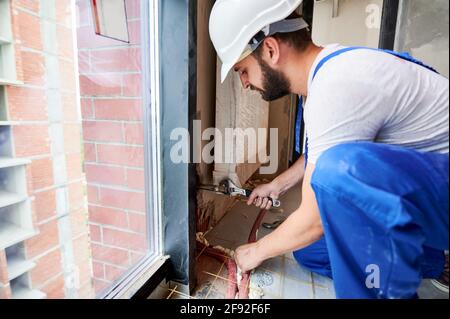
283, 278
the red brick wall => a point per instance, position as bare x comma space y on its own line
111, 103
29, 108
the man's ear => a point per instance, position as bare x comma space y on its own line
272, 50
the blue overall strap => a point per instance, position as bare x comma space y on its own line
404, 56
298, 126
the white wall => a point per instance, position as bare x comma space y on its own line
357, 23
423, 31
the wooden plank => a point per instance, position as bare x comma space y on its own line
237, 108
206, 84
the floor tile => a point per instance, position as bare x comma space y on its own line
320, 293
268, 281
293, 270
274, 265
293, 289
322, 282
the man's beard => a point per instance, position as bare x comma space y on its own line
275, 83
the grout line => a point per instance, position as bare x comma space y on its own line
214, 281
220, 277
183, 295
225, 279
172, 291
313, 287
220, 255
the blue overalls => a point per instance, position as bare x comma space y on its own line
384, 211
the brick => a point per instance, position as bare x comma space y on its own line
70, 107
84, 16
134, 31
90, 153
100, 286
64, 37
30, 5
5, 292
138, 223
45, 205
136, 179
86, 291
63, 12
76, 195
85, 272
18, 50
72, 137
47, 266
134, 133
84, 63
74, 166
113, 273
30, 30
132, 156
98, 269
95, 233
125, 240
122, 199
115, 256
102, 131
87, 39
33, 67
67, 75
3, 268
116, 60
136, 257
79, 222
42, 173
92, 194
132, 85
119, 109
26, 104
54, 288
101, 85
47, 239
108, 216
87, 108
31, 140
133, 8
107, 175
81, 248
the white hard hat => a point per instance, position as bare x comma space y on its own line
237, 27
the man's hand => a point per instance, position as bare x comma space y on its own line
247, 257
260, 195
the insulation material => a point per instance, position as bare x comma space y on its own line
237, 108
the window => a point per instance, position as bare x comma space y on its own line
80, 210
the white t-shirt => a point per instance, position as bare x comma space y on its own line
366, 95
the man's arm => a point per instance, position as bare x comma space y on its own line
301, 229
278, 186
292, 176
